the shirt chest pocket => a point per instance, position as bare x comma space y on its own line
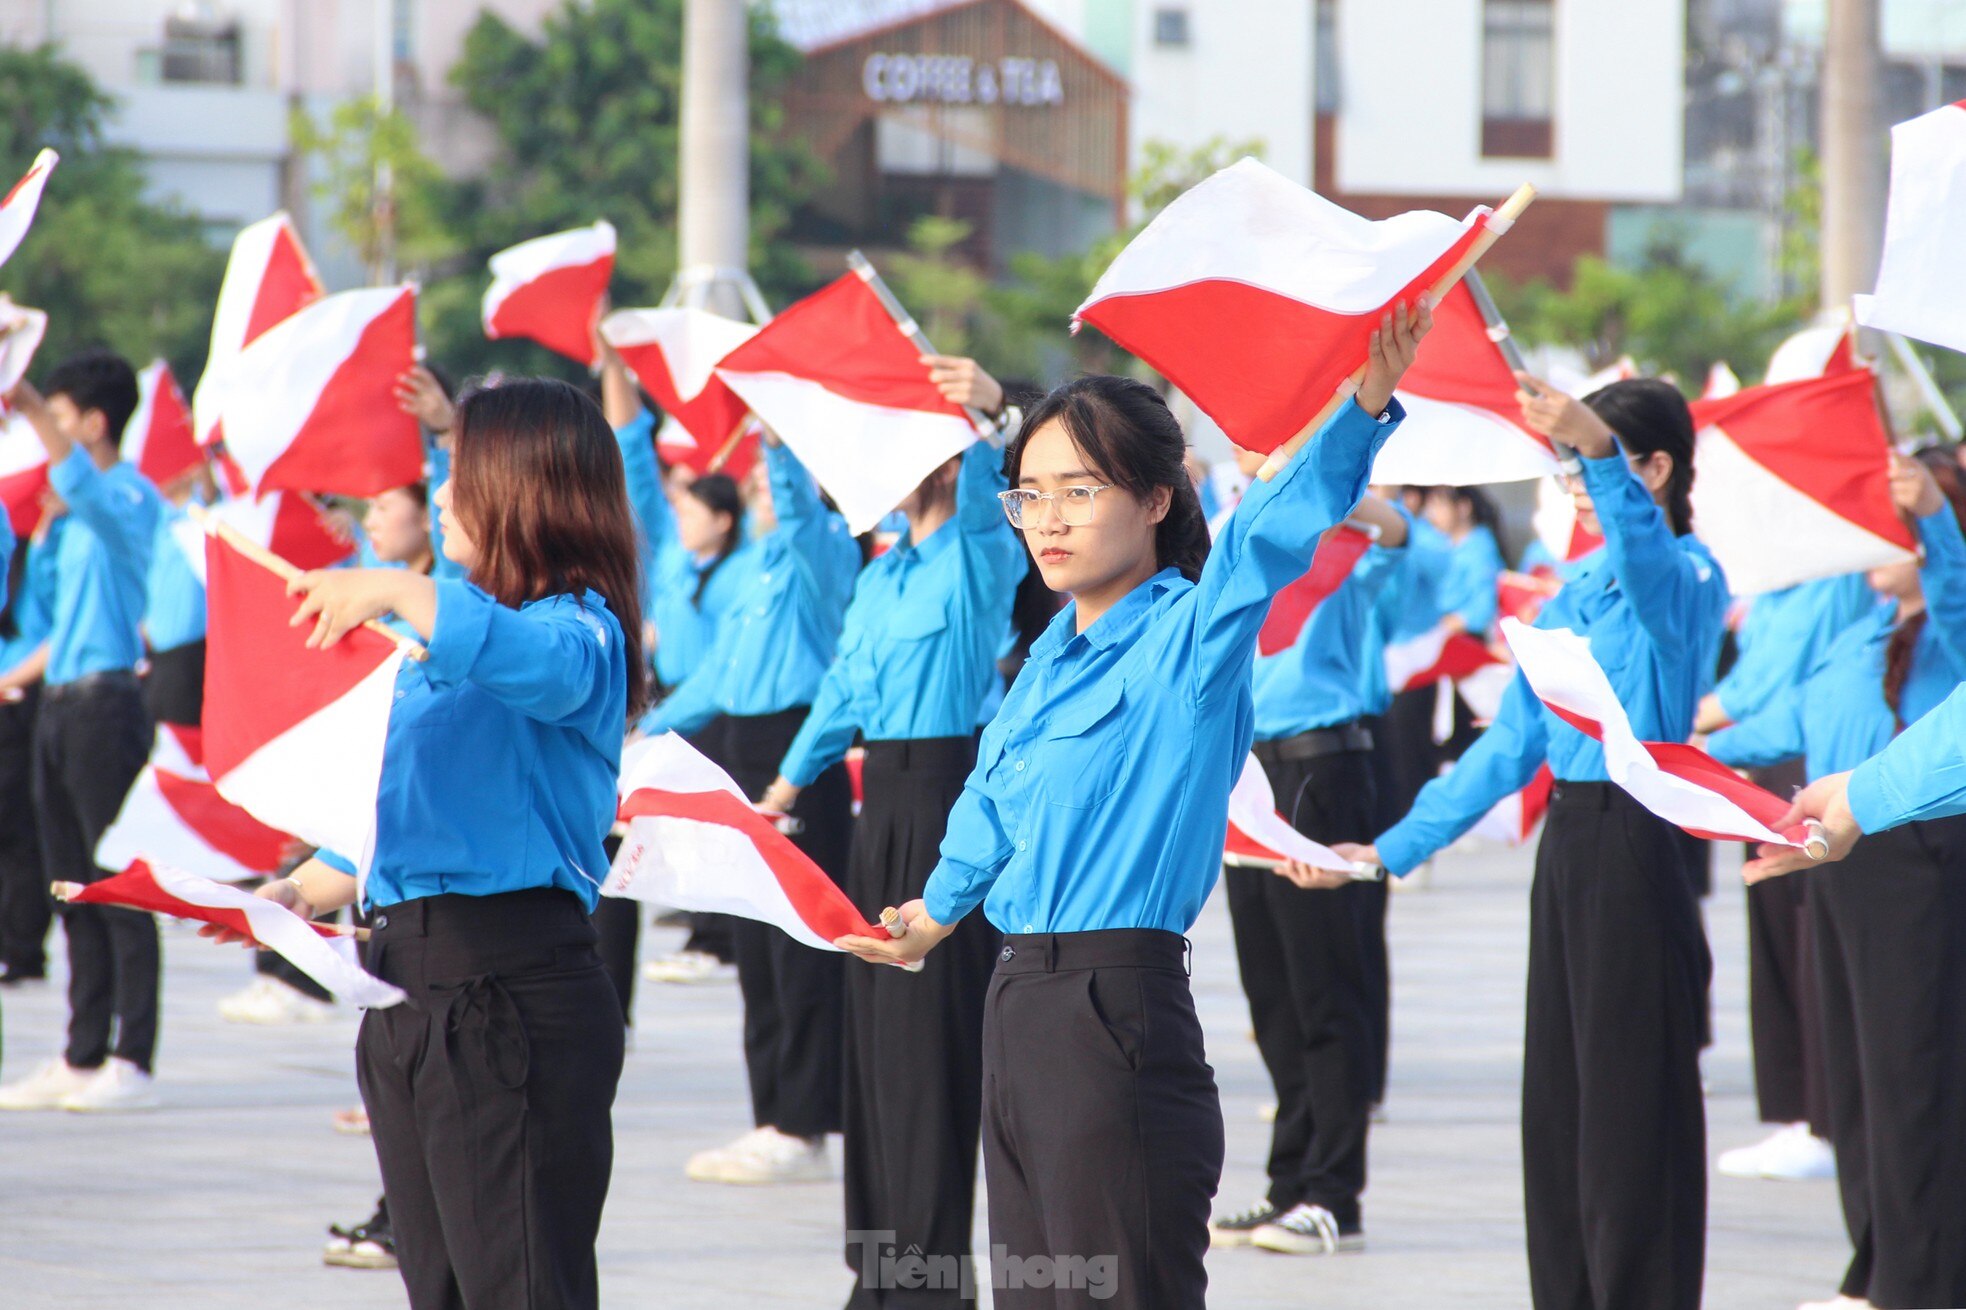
1082, 754
909, 626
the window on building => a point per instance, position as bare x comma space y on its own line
1171, 27
200, 46
1518, 78
1324, 56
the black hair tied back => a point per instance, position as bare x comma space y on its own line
1129, 436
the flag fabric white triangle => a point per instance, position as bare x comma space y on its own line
1722, 382
21, 330
694, 842
268, 277
1921, 286
17, 208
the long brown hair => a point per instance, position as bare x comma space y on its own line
1904, 638
537, 480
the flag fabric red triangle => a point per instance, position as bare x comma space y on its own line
673, 354
1809, 458
310, 405
837, 380
1523, 595
173, 817
547, 289
185, 895
1463, 425
1256, 297
1338, 553
292, 735
695, 843
23, 473
23, 198
268, 278
158, 438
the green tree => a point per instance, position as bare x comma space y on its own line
945, 295
109, 267
586, 123
359, 139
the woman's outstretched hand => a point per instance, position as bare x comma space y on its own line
922, 936
1827, 801
1394, 345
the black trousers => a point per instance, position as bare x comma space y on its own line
911, 1142
489, 1094
1890, 925
174, 688
618, 924
1784, 1019
1307, 971
1102, 1127
91, 739
1613, 1126
1412, 757
26, 909
1378, 962
793, 994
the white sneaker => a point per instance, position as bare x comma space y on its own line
1838, 1303
688, 967
710, 1166
267, 1000
773, 1157
1790, 1154
1234, 1228
46, 1088
118, 1085
1307, 1230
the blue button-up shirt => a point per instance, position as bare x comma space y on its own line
1920, 775
1653, 606
1783, 639
1839, 717
33, 603
685, 625
101, 568
1412, 605
1466, 589
174, 614
1101, 789
538, 697
1336, 669
918, 650
772, 650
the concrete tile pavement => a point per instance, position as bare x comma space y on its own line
219, 1199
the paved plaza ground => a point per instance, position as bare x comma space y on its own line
218, 1200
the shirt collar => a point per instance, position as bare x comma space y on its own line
1114, 625
906, 548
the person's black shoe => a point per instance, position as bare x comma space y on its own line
368, 1245
13, 977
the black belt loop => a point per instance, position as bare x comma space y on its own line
1051, 953
1187, 957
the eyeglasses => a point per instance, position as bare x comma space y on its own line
1074, 505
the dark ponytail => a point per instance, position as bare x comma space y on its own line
718, 494
1904, 638
1649, 415
1130, 437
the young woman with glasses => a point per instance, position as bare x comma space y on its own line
1091, 828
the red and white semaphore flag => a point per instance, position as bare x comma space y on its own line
1463, 425
694, 842
161, 890
1794, 482
1817, 351
1557, 526
1921, 287
1338, 553
268, 278
674, 354
1681, 784
1261, 838
21, 330
291, 735
287, 523
841, 385
1256, 296
23, 473
174, 818
311, 403
548, 288
1516, 817
17, 209
1434, 655
158, 438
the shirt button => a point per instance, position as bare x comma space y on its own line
1020, 765
382, 921
1022, 845
399, 696
1029, 928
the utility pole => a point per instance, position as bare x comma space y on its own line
1854, 182
713, 226
384, 271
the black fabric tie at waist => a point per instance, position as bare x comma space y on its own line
479, 1013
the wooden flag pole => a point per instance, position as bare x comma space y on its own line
1498, 222
266, 559
68, 891
910, 329
729, 448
